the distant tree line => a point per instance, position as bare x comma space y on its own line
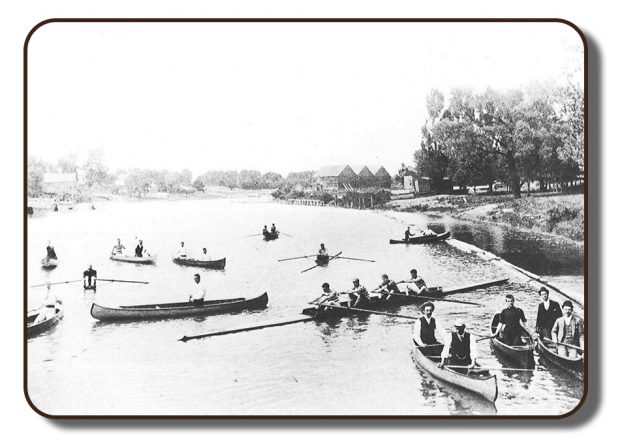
514, 136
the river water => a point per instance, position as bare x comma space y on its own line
355, 366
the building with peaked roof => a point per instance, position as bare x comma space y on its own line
383, 178
365, 176
60, 183
337, 177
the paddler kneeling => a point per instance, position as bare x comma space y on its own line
461, 350
199, 293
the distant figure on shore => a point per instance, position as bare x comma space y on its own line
90, 278
548, 312
204, 256
199, 293
118, 248
140, 250
415, 285
568, 329
273, 228
51, 253
323, 251
265, 231
182, 252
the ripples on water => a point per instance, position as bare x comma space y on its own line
359, 365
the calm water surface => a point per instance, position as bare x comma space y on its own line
358, 365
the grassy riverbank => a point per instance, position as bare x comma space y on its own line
556, 214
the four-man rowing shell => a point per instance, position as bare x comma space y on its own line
480, 381
432, 238
148, 260
571, 365
519, 353
211, 264
177, 309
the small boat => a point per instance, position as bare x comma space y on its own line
271, 236
549, 354
148, 260
420, 239
211, 264
480, 382
90, 287
519, 353
322, 260
47, 263
34, 328
177, 309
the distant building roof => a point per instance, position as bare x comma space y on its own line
331, 171
381, 172
59, 177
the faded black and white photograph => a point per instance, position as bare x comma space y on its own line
301, 219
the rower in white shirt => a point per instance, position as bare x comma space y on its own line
199, 293
182, 252
204, 256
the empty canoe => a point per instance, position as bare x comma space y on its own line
176, 309
420, 239
148, 260
211, 264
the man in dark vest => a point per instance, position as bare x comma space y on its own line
426, 329
462, 348
139, 249
90, 278
548, 312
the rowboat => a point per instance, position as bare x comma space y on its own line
47, 263
176, 309
322, 260
211, 264
90, 287
148, 260
480, 382
519, 353
432, 238
548, 352
271, 236
35, 328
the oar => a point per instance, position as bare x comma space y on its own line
369, 311
565, 345
436, 298
353, 258
315, 266
56, 283
295, 258
119, 280
253, 235
239, 330
489, 368
284, 233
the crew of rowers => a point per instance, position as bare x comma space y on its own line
267, 232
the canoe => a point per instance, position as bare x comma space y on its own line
423, 239
41, 326
49, 263
270, 236
211, 264
176, 309
148, 260
322, 260
480, 382
519, 353
548, 352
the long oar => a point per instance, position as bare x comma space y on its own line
436, 298
316, 266
565, 345
56, 283
288, 235
239, 330
119, 280
353, 258
295, 258
360, 310
253, 235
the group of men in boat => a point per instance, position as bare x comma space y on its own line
139, 251
267, 232
417, 233
182, 254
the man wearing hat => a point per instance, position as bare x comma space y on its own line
199, 293
461, 349
548, 312
358, 294
426, 329
568, 329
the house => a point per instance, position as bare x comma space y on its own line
337, 177
60, 183
417, 184
383, 178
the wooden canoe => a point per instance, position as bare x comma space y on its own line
176, 309
523, 354
39, 327
420, 239
147, 260
480, 382
271, 236
47, 263
210, 264
549, 354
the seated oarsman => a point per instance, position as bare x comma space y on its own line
118, 248
407, 234
415, 285
328, 297
460, 348
427, 330
323, 251
511, 320
358, 295
265, 231
387, 287
140, 250
51, 252
182, 252
199, 293
568, 329
204, 256
273, 228
548, 312
90, 277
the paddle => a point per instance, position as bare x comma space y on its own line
56, 283
239, 330
436, 298
295, 258
119, 280
368, 311
565, 345
315, 266
353, 258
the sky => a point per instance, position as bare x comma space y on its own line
268, 96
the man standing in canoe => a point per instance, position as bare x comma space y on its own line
182, 252
90, 278
426, 329
358, 295
407, 234
118, 248
568, 329
386, 287
461, 350
415, 285
273, 228
199, 293
511, 320
548, 312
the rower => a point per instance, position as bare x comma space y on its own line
407, 234
568, 329
199, 293
358, 295
182, 252
548, 312
328, 297
461, 348
90, 278
387, 287
427, 328
51, 253
323, 251
511, 320
273, 228
415, 285
140, 250
118, 248
204, 256
265, 231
